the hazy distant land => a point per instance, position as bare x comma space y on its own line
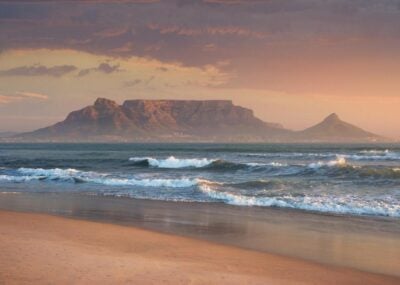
184, 121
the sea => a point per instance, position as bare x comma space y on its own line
339, 179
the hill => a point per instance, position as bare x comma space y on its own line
333, 129
160, 120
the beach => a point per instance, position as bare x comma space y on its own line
43, 249
199, 214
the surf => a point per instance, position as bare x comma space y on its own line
76, 176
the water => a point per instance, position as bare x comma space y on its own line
339, 179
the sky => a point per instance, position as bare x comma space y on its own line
291, 61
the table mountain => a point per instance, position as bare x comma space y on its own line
185, 121
160, 120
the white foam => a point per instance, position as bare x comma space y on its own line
70, 175
54, 173
342, 205
363, 155
374, 155
375, 151
339, 162
14, 178
290, 154
273, 164
157, 182
173, 162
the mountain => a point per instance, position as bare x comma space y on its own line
7, 134
185, 121
333, 129
160, 120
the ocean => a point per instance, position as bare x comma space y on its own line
340, 179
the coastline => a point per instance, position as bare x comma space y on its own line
38, 248
345, 241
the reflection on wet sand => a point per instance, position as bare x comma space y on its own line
365, 243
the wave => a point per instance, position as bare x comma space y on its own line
363, 155
203, 163
171, 162
156, 182
347, 204
235, 193
375, 151
374, 155
77, 176
258, 184
262, 184
12, 178
340, 167
289, 155
339, 162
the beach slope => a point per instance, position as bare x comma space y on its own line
43, 249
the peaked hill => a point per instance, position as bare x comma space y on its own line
332, 128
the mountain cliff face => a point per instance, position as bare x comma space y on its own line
165, 120
332, 128
185, 120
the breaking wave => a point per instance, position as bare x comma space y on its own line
340, 167
339, 162
246, 193
77, 176
346, 204
171, 162
204, 163
363, 155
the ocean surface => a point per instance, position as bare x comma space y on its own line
339, 179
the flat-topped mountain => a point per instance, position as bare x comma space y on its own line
185, 120
165, 120
332, 128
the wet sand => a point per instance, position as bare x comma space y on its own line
363, 243
43, 249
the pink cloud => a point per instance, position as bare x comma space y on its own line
218, 30
18, 96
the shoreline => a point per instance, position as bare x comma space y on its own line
332, 240
40, 248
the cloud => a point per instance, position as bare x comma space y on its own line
21, 95
162, 68
107, 68
111, 32
38, 70
33, 95
233, 1
103, 68
275, 44
210, 30
124, 49
132, 83
82, 1
4, 99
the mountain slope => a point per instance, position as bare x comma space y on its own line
185, 121
160, 120
332, 128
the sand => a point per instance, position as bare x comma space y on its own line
44, 249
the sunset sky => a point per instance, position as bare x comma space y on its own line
291, 61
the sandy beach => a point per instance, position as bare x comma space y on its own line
43, 249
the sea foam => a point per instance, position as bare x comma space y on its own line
340, 161
74, 176
346, 204
173, 162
